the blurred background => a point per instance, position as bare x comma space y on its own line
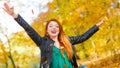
102, 50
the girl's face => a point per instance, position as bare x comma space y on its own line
53, 29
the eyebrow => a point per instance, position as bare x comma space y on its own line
55, 24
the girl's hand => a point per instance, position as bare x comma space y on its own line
102, 21
10, 10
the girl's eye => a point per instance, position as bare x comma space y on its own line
50, 26
57, 26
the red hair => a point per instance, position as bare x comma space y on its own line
63, 40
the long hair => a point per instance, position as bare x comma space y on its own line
63, 39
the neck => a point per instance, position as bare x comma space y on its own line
54, 38
56, 41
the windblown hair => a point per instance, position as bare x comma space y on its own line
63, 39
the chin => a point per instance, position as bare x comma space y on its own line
54, 35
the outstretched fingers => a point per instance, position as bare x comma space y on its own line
8, 9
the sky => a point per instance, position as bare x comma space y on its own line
28, 9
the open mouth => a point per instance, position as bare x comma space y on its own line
53, 32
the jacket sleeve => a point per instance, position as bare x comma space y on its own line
30, 31
81, 38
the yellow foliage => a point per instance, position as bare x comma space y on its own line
76, 17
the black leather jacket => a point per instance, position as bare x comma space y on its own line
45, 44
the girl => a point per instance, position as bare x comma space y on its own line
56, 47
